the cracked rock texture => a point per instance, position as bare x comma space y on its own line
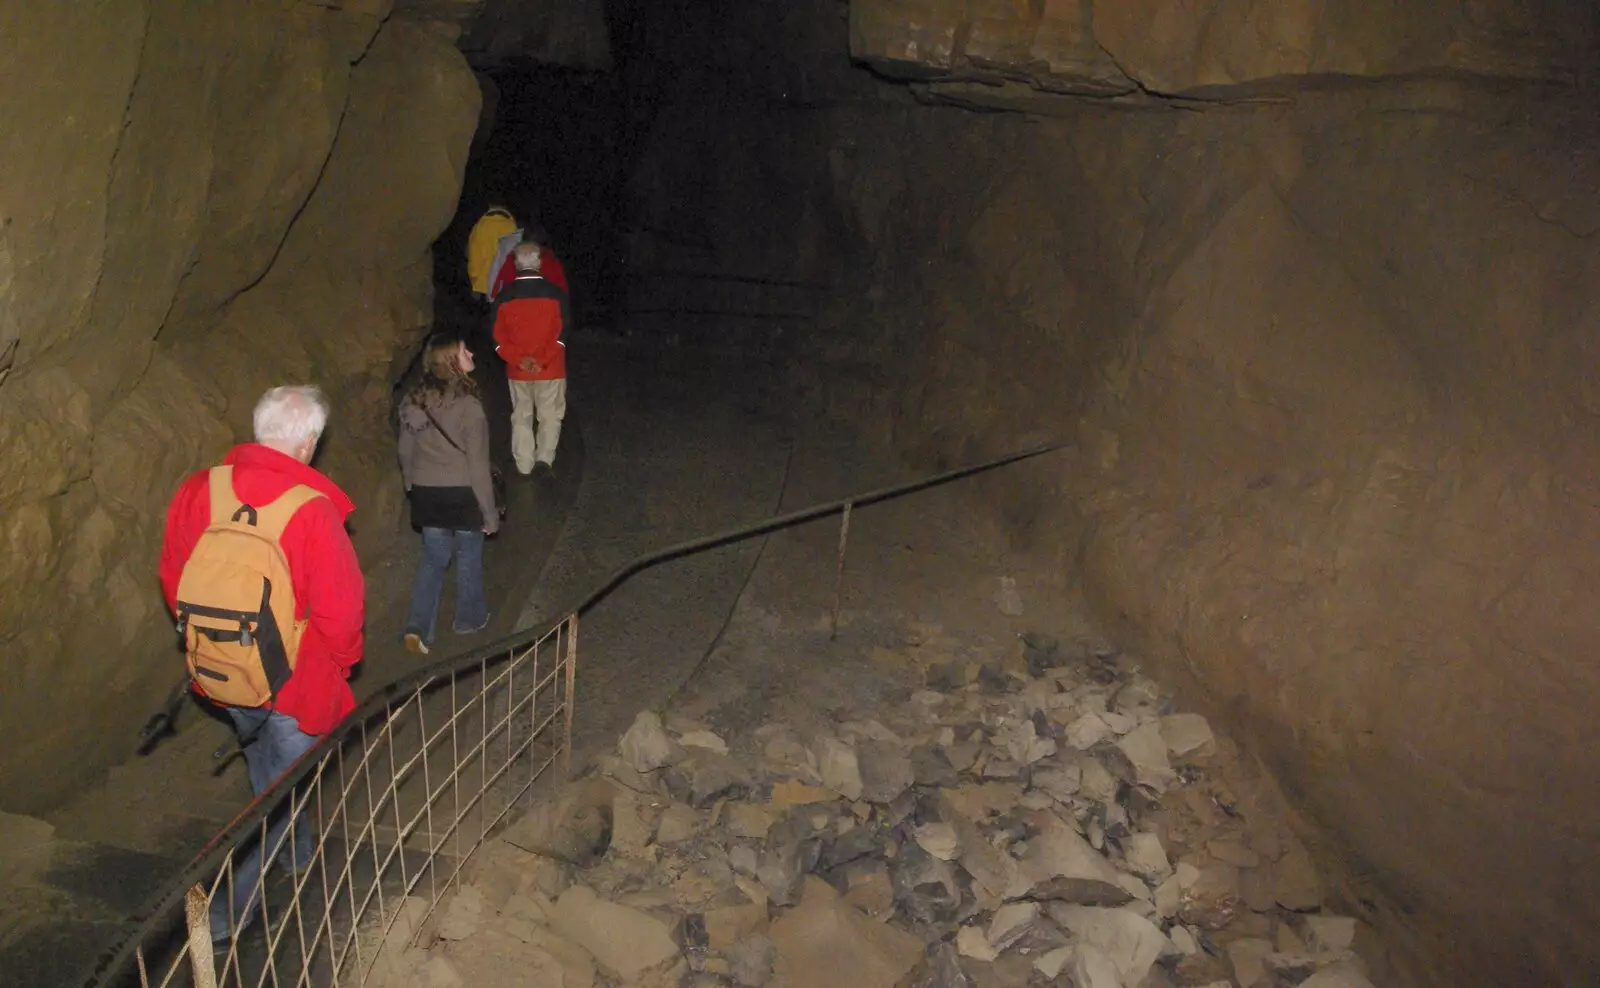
1329, 371
199, 201
1174, 46
1327, 361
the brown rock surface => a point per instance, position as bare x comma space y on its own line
180, 228
823, 936
1356, 516
1328, 367
1174, 46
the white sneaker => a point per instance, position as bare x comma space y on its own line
415, 644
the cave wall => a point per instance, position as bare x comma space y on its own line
1330, 370
1180, 46
199, 201
1327, 359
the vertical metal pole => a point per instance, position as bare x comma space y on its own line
197, 912
838, 577
572, 681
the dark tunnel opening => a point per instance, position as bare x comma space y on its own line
558, 154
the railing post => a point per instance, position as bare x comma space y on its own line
197, 912
838, 576
572, 681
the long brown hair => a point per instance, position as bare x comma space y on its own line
442, 378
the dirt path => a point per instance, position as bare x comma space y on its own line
1196, 862
917, 574
663, 444
104, 853
680, 443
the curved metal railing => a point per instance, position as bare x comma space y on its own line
403, 792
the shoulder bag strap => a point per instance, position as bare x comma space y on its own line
443, 433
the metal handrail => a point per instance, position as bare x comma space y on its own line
119, 959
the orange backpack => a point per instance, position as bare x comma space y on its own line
236, 598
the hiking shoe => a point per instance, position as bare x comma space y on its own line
472, 631
415, 645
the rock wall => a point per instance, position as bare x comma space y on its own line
553, 32
231, 196
1115, 47
1328, 363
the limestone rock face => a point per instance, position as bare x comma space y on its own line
236, 196
1173, 46
1327, 439
1050, 44
557, 32
1276, 425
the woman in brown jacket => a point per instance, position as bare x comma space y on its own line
444, 459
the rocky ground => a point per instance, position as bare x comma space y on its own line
1038, 814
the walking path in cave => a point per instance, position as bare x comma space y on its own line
662, 444
668, 443
69, 880
680, 442
737, 650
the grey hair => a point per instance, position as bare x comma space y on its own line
526, 256
293, 413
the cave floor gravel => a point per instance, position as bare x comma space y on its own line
676, 442
922, 590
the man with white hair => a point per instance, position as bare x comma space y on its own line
530, 323
329, 602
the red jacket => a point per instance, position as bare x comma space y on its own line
549, 266
530, 320
328, 586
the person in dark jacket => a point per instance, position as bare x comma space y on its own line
444, 460
530, 322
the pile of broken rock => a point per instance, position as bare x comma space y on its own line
1040, 821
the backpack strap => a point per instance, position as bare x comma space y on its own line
224, 502
271, 518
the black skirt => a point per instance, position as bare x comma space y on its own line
455, 508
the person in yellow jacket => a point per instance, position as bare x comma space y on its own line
483, 243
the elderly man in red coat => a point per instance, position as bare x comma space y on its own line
329, 596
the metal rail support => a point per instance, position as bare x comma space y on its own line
197, 912
571, 685
374, 797
838, 576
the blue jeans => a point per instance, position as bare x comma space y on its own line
275, 747
439, 545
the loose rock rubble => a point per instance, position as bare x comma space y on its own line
1040, 820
